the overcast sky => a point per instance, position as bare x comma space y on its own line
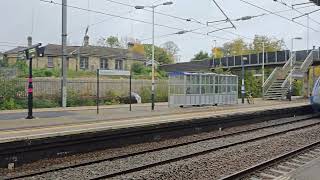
42, 21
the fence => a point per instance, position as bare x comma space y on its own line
83, 87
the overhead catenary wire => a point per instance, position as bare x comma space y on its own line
157, 12
179, 33
283, 17
196, 21
226, 16
303, 14
127, 18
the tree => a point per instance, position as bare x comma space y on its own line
171, 48
270, 44
138, 48
111, 41
160, 54
217, 52
200, 56
235, 47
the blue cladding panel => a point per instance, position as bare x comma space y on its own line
281, 55
238, 60
216, 62
230, 61
271, 57
224, 61
254, 59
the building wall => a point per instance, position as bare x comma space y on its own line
11, 60
74, 63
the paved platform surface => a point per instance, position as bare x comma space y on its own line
58, 121
310, 171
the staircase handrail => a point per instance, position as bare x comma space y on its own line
285, 82
266, 85
307, 62
286, 67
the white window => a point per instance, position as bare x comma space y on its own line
84, 63
119, 64
50, 62
104, 63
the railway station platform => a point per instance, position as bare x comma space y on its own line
58, 121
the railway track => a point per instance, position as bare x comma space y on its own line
153, 164
280, 166
27, 150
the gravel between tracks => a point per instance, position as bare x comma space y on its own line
227, 161
75, 159
114, 166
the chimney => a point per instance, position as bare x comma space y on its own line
130, 45
29, 41
86, 40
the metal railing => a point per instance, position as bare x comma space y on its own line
277, 73
308, 61
267, 84
302, 69
277, 57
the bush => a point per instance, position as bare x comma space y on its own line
46, 72
137, 68
80, 73
45, 103
9, 104
9, 94
112, 97
297, 88
145, 94
160, 95
75, 100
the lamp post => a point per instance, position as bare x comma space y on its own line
152, 61
291, 65
263, 46
242, 81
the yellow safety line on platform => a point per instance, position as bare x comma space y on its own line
121, 124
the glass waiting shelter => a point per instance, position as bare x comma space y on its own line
196, 89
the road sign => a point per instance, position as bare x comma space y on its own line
114, 72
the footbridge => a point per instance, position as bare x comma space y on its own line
286, 65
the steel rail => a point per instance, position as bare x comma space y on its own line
263, 165
170, 147
111, 175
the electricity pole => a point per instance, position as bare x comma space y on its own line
64, 54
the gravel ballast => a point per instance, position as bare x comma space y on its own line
114, 166
227, 161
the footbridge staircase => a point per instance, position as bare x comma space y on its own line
277, 84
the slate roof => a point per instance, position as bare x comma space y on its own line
98, 51
15, 50
192, 66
